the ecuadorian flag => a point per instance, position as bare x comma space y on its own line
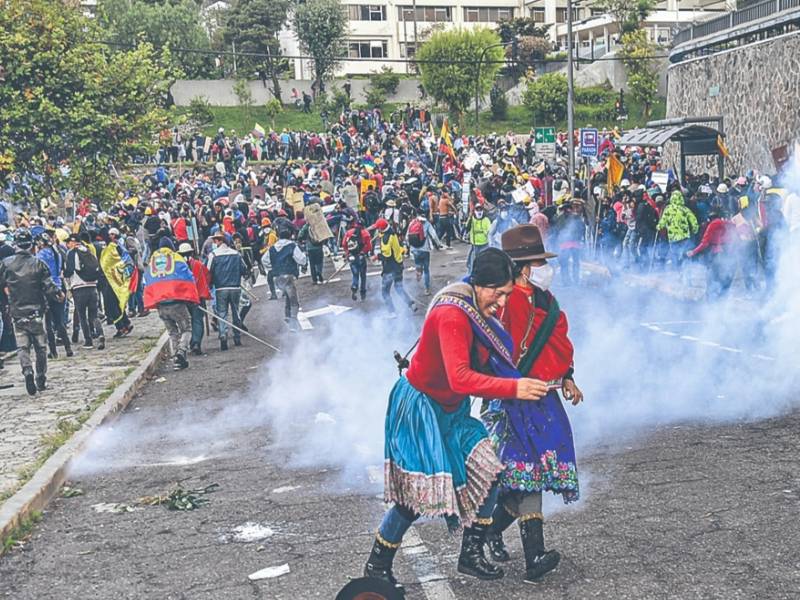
167, 278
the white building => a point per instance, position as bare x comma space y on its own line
385, 30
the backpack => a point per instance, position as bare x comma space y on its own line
416, 234
355, 245
88, 266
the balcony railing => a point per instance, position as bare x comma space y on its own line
734, 19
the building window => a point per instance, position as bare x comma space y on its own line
537, 14
488, 14
366, 12
408, 49
369, 49
561, 15
426, 14
597, 12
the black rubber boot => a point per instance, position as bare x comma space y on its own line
501, 519
472, 560
379, 564
354, 293
180, 361
538, 562
30, 382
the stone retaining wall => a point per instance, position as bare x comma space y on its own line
756, 88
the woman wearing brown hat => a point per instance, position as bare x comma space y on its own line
533, 439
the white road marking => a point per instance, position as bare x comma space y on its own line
303, 317
690, 338
762, 357
729, 349
434, 585
668, 333
707, 343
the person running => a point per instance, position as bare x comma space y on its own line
285, 259
533, 439
201, 276
681, 225
357, 246
30, 288
170, 288
439, 461
421, 237
227, 268
54, 318
391, 254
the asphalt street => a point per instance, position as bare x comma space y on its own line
687, 455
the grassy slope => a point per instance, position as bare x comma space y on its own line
519, 120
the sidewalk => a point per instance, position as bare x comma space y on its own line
32, 427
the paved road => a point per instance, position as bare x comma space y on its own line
687, 458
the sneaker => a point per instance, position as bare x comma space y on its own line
427, 291
195, 350
354, 295
101, 343
41, 382
88, 345
69, 352
52, 355
30, 384
223, 345
238, 341
144, 313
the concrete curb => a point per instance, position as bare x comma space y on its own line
666, 288
38, 492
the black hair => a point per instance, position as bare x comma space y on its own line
285, 233
492, 268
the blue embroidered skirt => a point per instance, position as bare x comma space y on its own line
534, 443
437, 463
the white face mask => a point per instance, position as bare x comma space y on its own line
503, 214
542, 276
478, 215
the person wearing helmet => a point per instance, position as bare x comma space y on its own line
29, 284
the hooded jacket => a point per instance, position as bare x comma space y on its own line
677, 219
227, 268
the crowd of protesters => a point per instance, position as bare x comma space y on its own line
191, 243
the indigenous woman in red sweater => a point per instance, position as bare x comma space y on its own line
439, 461
533, 439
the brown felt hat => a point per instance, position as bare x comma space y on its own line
524, 242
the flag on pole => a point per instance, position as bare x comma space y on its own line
723, 149
368, 161
448, 142
615, 171
259, 131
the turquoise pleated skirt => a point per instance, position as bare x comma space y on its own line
437, 463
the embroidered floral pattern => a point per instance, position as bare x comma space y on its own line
549, 474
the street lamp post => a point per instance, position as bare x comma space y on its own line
570, 100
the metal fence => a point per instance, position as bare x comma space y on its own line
733, 19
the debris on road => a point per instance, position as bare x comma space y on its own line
248, 532
113, 507
70, 492
180, 499
161, 380
269, 573
286, 488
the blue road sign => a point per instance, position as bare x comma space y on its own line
589, 142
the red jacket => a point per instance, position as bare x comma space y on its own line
555, 359
441, 366
201, 278
715, 237
366, 241
179, 229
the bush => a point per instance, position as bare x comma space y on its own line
273, 108
375, 97
599, 113
385, 80
338, 101
546, 98
594, 95
200, 113
499, 103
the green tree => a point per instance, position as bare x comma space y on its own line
243, 94
169, 25
453, 83
200, 113
273, 108
67, 100
627, 13
321, 27
253, 25
637, 52
546, 98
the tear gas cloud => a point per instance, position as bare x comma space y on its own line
324, 397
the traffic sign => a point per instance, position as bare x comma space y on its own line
589, 142
545, 142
